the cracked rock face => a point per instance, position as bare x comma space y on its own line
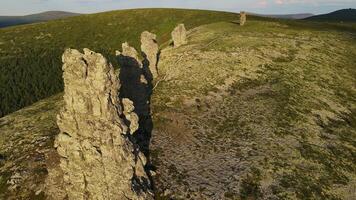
242, 18
149, 47
179, 35
97, 158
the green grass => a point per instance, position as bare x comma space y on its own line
30, 55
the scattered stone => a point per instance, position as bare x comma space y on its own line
14, 181
242, 18
167, 192
153, 173
143, 79
149, 47
97, 158
179, 36
38, 192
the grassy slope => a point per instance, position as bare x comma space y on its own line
344, 15
30, 64
6, 21
265, 110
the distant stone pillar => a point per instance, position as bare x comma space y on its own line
179, 36
149, 47
97, 157
242, 18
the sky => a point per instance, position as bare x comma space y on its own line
23, 7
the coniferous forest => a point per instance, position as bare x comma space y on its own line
30, 64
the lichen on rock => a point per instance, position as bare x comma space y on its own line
179, 36
97, 157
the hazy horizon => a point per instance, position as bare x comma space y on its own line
12, 8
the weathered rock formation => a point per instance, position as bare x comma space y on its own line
130, 115
128, 56
242, 18
135, 78
149, 47
98, 159
136, 85
179, 35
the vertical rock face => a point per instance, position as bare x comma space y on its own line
179, 36
149, 47
242, 18
97, 157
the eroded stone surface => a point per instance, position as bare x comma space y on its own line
150, 49
179, 35
97, 158
242, 18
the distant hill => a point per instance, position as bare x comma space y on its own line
287, 16
347, 15
40, 17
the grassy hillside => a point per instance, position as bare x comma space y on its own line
287, 16
263, 111
30, 55
6, 21
344, 15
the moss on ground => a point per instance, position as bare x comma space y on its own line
288, 109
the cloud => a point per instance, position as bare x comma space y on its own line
20, 7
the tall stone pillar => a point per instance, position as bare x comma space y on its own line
98, 159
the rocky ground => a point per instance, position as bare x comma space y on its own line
26, 149
262, 111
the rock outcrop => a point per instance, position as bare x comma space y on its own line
128, 56
130, 115
242, 18
136, 85
179, 35
149, 47
98, 159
